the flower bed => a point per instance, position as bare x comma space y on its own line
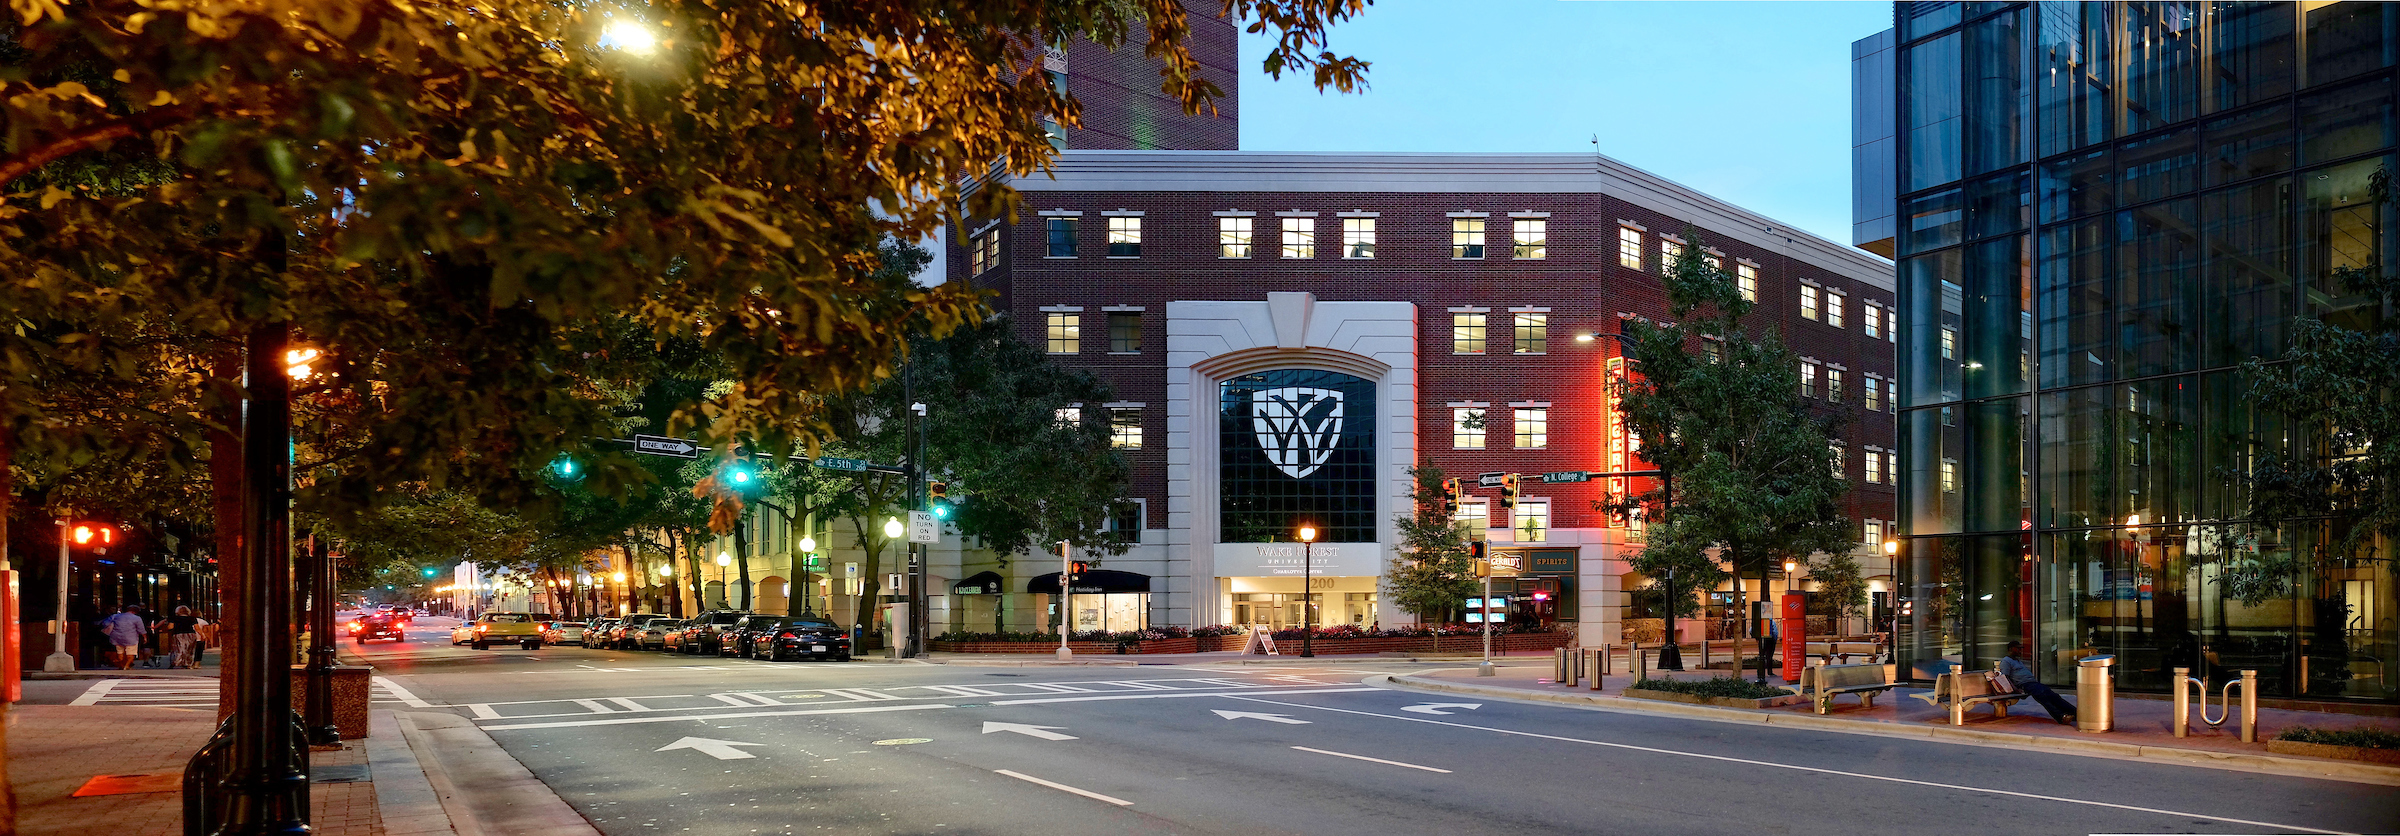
1338, 641
1724, 692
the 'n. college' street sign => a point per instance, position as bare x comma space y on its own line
1568, 476
658, 445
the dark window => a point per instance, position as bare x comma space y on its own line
2161, 64
2159, 167
1125, 332
2250, 291
2079, 74
2345, 39
2346, 122
2249, 145
1998, 205
1934, 221
1297, 445
2076, 186
2158, 255
2250, 53
1125, 521
1062, 237
1930, 101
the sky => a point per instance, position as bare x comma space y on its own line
1745, 101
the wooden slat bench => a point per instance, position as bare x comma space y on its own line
1964, 689
1821, 683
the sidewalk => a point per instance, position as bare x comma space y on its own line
53, 750
1219, 657
2144, 727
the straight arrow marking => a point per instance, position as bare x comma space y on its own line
720, 749
1251, 715
1043, 732
1436, 707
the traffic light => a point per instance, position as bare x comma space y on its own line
1508, 490
742, 474
938, 499
566, 469
1475, 549
1476, 554
430, 571
90, 534
1450, 491
1079, 567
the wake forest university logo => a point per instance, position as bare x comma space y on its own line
1297, 426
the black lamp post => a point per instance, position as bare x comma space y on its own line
1308, 613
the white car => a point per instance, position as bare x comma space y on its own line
564, 632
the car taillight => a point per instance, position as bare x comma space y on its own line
788, 636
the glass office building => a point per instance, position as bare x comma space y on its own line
2100, 212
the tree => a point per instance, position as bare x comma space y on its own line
1754, 476
1434, 573
1840, 582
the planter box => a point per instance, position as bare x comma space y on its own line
2327, 750
1518, 643
1720, 702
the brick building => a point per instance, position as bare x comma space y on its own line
1337, 318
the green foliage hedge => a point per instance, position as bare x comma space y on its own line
1723, 686
2362, 738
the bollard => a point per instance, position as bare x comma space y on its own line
1704, 661
1558, 667
2183, 700
1636, 665
1598, 666
2250, 706
1577, 655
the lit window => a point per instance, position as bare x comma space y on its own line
1299, 238
1125, 427
1833, 309
1533, 333
1474, 516
1874, 394
1875, 467
1949, 343
1233, 237
1058, 82
1532, 522
1066, 333
1949, 475
1124, 332
991, 249
1712, 350
975, 258
1833, 385
1745, 277
1466, 333
1808, 379
1124, 237
1891, 468
1669, 250
1533, 427
1715, 262
1872, 323
1875, 533
1808, 301
1891, 328
1466, 428
1532, 238
1068, 416
1840, 459
1629, 247
1466, 237
1358, 237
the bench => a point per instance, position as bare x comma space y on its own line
1821, 683
1960, 690
1840, 652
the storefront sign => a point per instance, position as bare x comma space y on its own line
1281, 560
1551, 562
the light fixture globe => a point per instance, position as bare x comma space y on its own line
893, 528
808, 544
666, 570
618, 577
1308, 534
724, 559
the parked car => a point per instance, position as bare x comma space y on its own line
376, 627
595, 631
735, 639
623, 632
564, 632
705, 633
799, 637
518, 627
653, 635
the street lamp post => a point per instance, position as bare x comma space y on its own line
1308, 614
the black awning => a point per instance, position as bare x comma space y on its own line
1094, 582
983, 583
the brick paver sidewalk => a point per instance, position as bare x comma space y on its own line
54, 749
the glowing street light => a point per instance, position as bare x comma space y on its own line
808, 545
630, 36
724, 559
893, 528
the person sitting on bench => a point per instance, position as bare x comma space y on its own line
2022, 676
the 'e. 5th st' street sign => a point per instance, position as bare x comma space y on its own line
831, 463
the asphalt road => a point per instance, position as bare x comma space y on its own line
645, 743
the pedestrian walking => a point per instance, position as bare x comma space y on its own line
125, 631
183, 634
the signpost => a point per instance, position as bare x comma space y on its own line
1795, 635
659, 445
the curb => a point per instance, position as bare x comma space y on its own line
404, 798
480, 788
2299, 767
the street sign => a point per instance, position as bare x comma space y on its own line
659, 445
1568, 476
832, 463
1489, 480
922, 528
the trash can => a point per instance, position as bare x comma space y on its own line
2095, 694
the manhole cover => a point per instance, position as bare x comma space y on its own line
903, 741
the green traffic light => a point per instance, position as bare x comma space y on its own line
941, 512
429, 571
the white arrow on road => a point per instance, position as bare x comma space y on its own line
1271, 718
720, 749
1043, 732
1436, 707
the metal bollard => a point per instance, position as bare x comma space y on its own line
1558, 667
1636, 665
1598, 666
1576, 655
1704, 662
2250, 706
2183, 683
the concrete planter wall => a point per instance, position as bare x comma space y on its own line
1331, 647
1720, 702
2327, 750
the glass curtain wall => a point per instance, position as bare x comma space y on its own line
2109, 209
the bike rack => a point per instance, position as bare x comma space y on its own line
2185, 685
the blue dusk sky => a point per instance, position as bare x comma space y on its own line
1746, 101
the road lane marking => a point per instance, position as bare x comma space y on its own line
962, 690
1043, 732
686, 718
720, 749
1171, 696
1064, 788
1370, 760
1436, 707
1285, 719
858, 694
1798, 768
401, 694
596, 707
630, 705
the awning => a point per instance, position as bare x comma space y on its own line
983, 583
1094, 582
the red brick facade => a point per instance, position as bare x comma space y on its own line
1123, 106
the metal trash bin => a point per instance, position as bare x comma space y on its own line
2095, 694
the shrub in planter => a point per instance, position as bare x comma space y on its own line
1722, 686
2358, 738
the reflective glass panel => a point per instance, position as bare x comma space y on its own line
2077, 186
2158, 258
2250, 296
2352, 120
2158, 167
2248, 145
2345, 39
2078, 335
1297, 445
1929, 97
2161, 64
2072, 52
1933, 319
2077, 457
2249, 53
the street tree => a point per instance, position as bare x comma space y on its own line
1434, 572
1755, 480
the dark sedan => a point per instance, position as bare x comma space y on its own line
799, 637
735, 639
